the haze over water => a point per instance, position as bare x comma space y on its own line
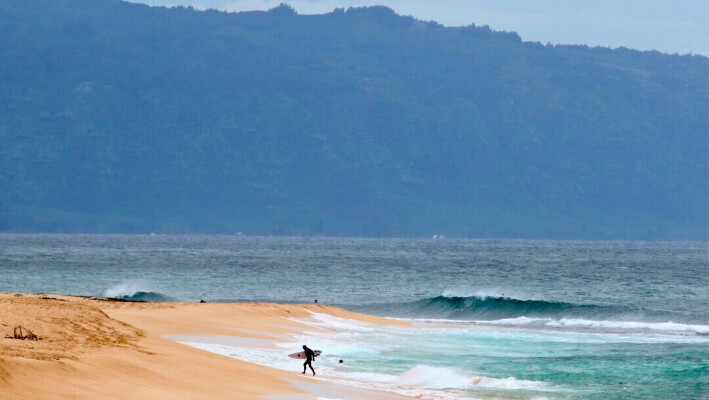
522, 319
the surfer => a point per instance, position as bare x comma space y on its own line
309, 357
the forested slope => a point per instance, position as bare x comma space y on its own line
118, 117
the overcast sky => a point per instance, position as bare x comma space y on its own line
671, 26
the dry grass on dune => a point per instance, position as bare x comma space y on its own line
66, 329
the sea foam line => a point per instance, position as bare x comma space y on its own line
343, 336
664, 327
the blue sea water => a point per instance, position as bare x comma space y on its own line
494, 319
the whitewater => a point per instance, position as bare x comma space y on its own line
491, 319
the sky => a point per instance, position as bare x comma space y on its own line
669, 26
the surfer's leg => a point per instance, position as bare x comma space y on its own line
304, 364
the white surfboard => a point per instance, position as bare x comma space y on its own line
301, 354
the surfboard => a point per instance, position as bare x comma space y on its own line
301, 354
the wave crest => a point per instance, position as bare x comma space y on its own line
489, 308
513, 312
152, 297
136, 291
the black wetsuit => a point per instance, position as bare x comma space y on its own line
309, 356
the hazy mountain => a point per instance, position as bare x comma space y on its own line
118, 117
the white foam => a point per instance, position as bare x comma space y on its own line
337, 323
128, 288
434, 378
425, 381
432, 382
268, 357
485, 293
372, 377
662, 327
516, 321
658, 326
509, 383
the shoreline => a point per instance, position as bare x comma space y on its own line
100, 348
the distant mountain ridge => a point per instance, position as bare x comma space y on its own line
119, 117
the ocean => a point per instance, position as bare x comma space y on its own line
493, 319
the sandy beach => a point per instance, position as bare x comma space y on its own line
94, 348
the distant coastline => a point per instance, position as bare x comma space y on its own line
124, 118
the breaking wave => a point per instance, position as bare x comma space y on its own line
489, 308
152, 297
136, 291
507, 311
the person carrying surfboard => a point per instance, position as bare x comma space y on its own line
309, 357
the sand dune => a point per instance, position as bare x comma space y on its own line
93, 348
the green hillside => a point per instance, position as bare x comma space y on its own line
118, 117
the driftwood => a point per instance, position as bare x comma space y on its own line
17, 333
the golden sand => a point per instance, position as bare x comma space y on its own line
93, 348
